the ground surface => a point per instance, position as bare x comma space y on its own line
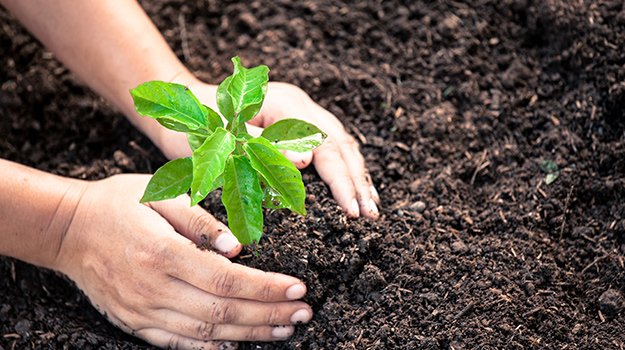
455, 104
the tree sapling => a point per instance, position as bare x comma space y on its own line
252, 171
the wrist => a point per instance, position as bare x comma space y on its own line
36, 210
61, 222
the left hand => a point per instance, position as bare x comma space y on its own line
338, 160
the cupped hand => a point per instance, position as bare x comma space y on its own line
140, 266
338, 160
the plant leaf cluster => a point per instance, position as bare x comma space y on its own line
551, 169
251, 170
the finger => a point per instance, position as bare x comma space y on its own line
299, 159
207, 307
218, 275
198, 225
350, 152
185, 327
333, 171
167, 340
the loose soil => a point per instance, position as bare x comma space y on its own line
458, 106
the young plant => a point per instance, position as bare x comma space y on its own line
252, 171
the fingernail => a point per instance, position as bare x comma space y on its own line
355, 208
296, 291
374, 208
226, 242
282, 332
374, 192
301, 316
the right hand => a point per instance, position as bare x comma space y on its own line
140, 267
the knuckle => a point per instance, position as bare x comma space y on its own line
154, 256
173, 342
267, 291
200, 224
225, 283
365, 181
206, 331
224, 312
331, 144
252, 334
274, 317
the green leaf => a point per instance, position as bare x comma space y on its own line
170, 180
247, 88
159, 99
551, 177
551, 169
219, 182
280, 174
271, 198
195, 141
224, 100
548, 166
213, 120
176, 126
242, 197
241, 129
209, 161
294, 135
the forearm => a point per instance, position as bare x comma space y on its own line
35, 210
111, 45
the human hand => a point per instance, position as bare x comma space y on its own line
140, 267
338, 160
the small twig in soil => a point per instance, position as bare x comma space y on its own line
465, 310
594, 262
359, 134
359, 337
183, 38
480, 166
566, 208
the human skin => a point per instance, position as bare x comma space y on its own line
138, 263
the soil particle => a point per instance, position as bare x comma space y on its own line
515, 74
459, 247
23, 327
611, 302
418, 206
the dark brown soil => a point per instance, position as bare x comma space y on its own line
456, 106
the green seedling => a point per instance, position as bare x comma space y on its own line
552, 171
252, 171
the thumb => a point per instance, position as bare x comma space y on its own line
198, 225
300, 160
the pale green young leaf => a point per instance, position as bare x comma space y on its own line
170, 181
158, 99
279, 172
242, 197
294, 135
551, 177
209, 161
247, 89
